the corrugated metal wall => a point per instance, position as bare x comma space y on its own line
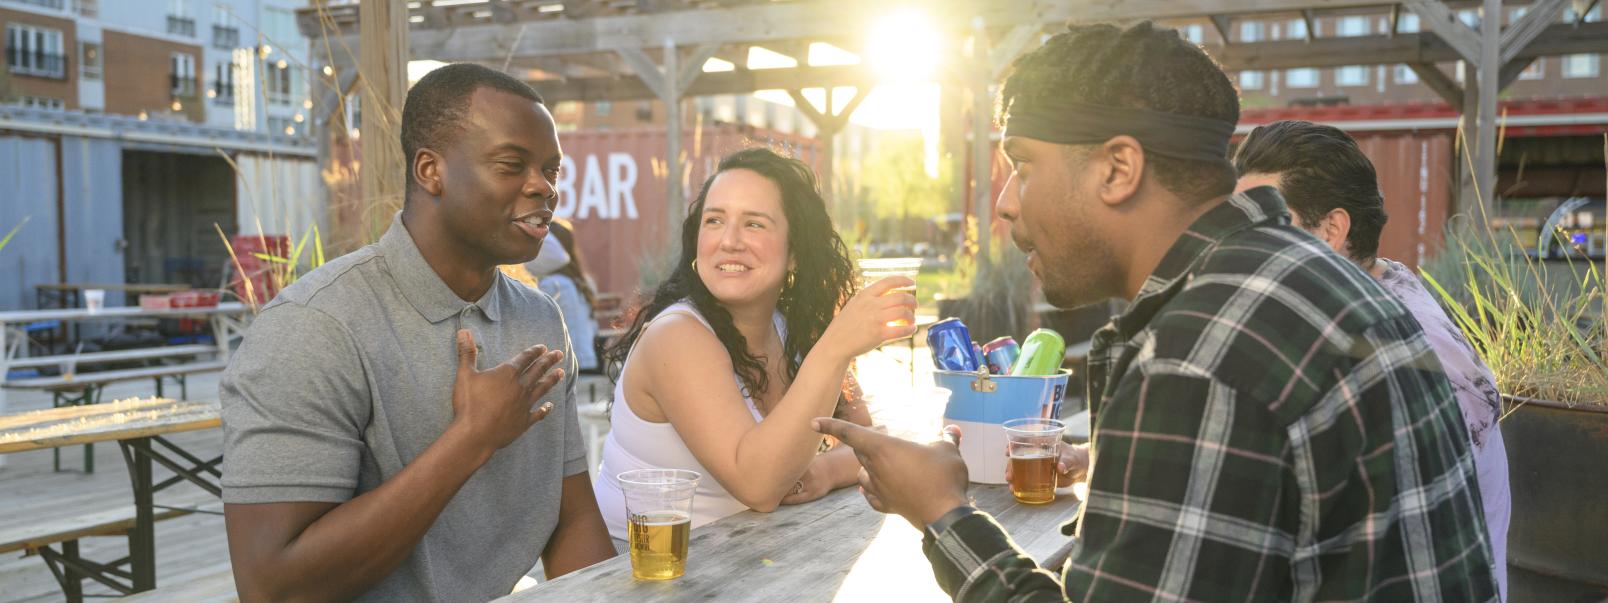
92, 178
613, 187
1416, 177
279, 196
27, 190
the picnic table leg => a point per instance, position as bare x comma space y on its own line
73, 585
141, 539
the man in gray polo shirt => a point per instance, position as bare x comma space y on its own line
374, 449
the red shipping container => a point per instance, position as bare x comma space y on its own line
614, 184
246, 250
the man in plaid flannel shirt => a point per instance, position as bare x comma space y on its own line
1268, 423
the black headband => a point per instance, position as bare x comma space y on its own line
1168, 134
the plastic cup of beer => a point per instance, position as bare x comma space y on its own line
1034, 446
658, 507
876, 269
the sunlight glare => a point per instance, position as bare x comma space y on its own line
904, 46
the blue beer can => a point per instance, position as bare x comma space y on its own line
1000, 354
951, 345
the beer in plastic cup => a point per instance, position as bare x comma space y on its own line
658, 507
876, 269
1034, 446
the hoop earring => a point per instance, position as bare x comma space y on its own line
694, 264
789, 283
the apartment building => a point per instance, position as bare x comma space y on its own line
1546, 78
238, 64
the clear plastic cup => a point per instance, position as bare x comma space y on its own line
1034, 446
873, 270
94, 299
658, 508
915, 414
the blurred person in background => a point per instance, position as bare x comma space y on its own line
1333, 193
560, 273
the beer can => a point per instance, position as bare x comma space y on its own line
977, 355
1042, 354
1000, 354
951, 345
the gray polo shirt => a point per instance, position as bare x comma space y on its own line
346, 377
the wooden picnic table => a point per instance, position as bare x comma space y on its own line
135, 425
229, 321
834, 549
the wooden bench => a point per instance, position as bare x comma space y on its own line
66, 565
86, 388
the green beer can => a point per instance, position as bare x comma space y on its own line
1042, 354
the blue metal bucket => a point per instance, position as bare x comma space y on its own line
979, 403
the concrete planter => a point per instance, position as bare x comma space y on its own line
1558, 468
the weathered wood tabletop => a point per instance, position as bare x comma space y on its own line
122, 420
834, 549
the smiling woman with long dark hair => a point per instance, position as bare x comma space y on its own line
749, 339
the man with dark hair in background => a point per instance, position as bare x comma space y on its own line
1265, 422
1333, 192
373, 448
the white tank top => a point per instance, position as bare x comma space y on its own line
633, 443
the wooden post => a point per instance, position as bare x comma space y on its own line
1490, 64
383, 31
671, 95
670, 83
827, 125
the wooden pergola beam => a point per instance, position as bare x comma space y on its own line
1404, 48
805, 20
720, 83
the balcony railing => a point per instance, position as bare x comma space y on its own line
181, 26
222, 93
56, 4
225, 38
35, 63
183, 87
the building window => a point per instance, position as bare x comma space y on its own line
279, 86
87, 8
225, 38
1296, 29
32, 50
89, 60
1581, 66
1353, 26
1250, 80
42, 102
222, 91
603, 108
1196, 34
1306, 77
1406, 75
180, 21
1408, 23
1470, 17
644, 112
56, 4
182, 74
1250, 31
1537, 70
1351, 75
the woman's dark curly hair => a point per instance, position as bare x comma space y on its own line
823, 277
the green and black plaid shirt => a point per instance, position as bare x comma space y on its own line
1268, 425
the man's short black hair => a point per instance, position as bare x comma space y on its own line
1320, 168
1141, 67
438, 102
